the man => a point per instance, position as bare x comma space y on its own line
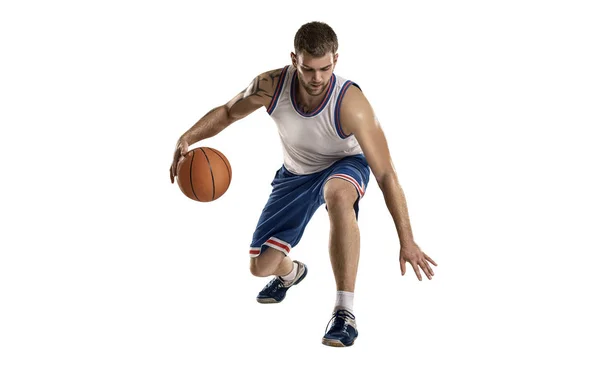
331, 141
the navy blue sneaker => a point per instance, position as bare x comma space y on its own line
342, 331
274, 291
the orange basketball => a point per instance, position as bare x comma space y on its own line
204, 174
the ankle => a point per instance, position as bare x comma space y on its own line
292, 274
344, 300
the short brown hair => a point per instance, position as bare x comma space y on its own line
316, 39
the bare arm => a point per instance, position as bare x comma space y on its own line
358, 118
258, 93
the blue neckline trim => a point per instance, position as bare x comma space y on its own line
293, 84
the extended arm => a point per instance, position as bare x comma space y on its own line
358, 118
258, 93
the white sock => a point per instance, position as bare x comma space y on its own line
292, 274
344, 300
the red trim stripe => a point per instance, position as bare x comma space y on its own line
338, 108
331, 82
272, 242
278, 244
350, 179
277, 90
294, 82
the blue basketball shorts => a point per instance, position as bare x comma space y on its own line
295, 198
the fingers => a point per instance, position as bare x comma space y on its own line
429, 259
184, 147
417, 266
426, 269
173, 170
417, 271
179, 152
402, 266
419, 261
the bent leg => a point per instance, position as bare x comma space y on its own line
287, 273
270, 262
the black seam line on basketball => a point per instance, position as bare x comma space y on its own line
221, 157
191, 180
211, 173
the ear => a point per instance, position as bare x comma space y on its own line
335, 58
294, 59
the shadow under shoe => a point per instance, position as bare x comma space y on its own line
276, 289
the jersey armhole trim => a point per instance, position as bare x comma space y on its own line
337, 111
278, 89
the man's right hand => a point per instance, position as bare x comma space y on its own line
258, 94
180, 151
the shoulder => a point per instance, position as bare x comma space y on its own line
269, 80
347, 88
356, 112
354, 104
266, 83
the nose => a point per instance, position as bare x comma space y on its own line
317, 77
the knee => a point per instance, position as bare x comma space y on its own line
339, 194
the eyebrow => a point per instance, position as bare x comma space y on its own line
310, 68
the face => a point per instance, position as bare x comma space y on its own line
314, 73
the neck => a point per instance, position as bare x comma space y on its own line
306, 101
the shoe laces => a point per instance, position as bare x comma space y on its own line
275, 284
343, 316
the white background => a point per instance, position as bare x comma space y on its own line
490, 111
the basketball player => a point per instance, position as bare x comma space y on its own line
331, 141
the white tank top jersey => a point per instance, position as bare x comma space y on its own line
311, 142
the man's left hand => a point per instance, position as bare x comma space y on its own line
412, 253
